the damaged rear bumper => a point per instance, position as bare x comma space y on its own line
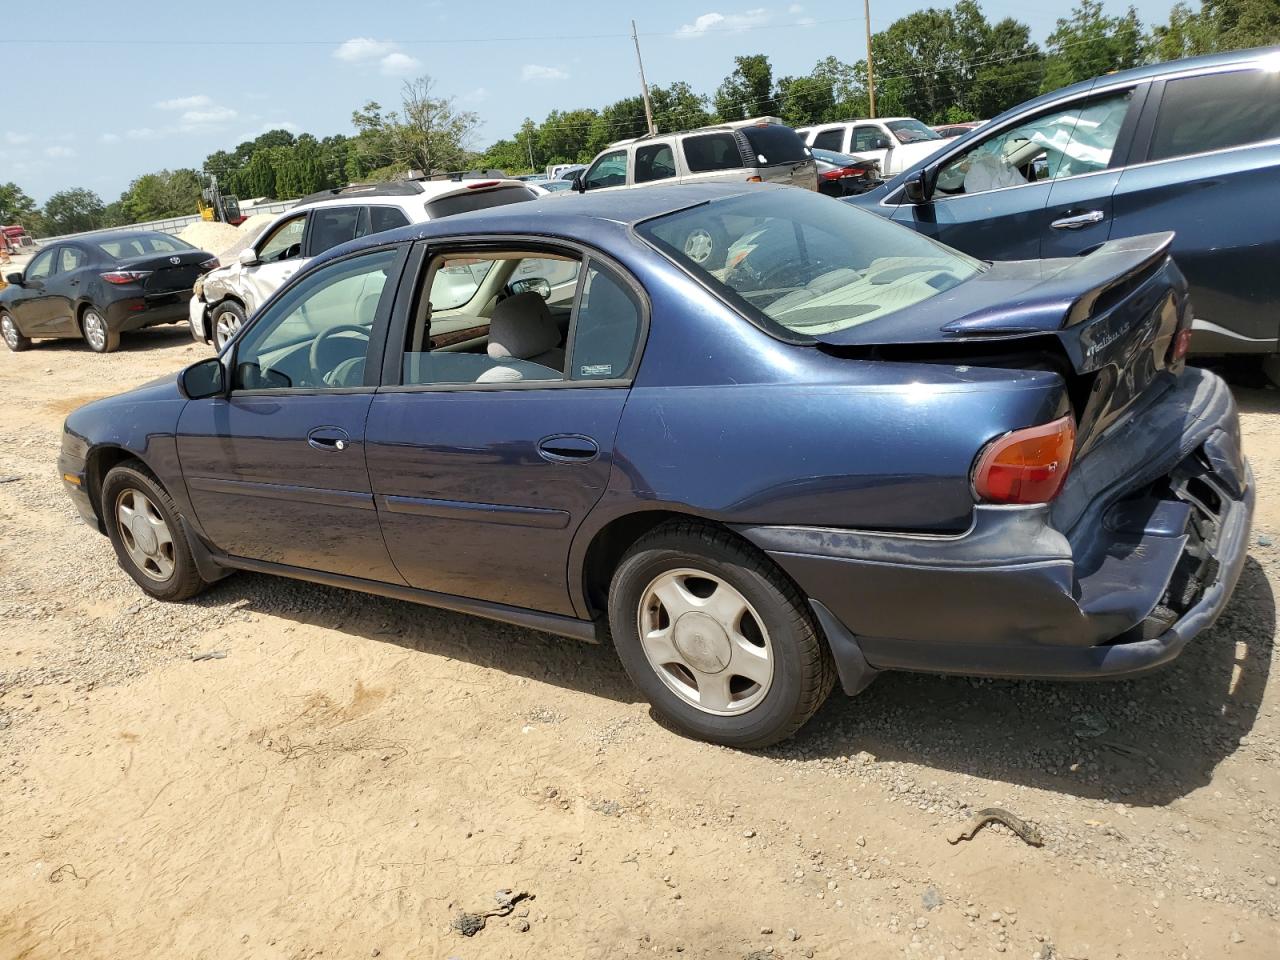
1138, 555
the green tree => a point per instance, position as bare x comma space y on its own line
74, 211
18, 208
677, 107
747, 91
1089, 44
166, 193
1218, 25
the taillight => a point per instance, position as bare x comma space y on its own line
125, 276
1026, 466
842, 172
1181, 345
210, 264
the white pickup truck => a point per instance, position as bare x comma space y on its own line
896, 142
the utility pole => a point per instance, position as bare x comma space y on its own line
648, 107
871, 74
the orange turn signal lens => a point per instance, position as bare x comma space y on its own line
1026, 466
755, 180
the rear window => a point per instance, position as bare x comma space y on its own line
477, 200
331, 226
830, 139
803, 267
773, 143
1215, 112
139, 245
712, 151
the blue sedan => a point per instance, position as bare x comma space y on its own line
757, 440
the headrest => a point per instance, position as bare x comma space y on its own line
522, 328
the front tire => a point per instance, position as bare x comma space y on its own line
100, 337
12, 336
227, 318
149, 539
719, 640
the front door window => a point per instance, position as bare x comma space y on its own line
609, 171
285, 242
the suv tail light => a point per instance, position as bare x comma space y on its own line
1026, 466
125, 276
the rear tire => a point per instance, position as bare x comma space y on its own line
144, 526
100, 337
717, 638
226, 319
12, 336
1271, 368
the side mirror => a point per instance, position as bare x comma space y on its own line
14, 278
578, 183
917, 188
204, 379
248, 257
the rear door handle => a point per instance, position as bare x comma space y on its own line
329, 439
1078, 220
568, 448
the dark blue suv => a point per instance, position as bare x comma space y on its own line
1191, 146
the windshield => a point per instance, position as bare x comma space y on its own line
797, 261
912, 131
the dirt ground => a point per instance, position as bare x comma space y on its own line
357, 771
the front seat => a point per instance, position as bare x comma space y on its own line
524, 340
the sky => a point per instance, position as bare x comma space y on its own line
97, 93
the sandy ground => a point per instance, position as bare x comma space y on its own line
355, 771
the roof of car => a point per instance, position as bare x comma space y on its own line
560, 214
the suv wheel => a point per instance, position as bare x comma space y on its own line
228, 318
720, 642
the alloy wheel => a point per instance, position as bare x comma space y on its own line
705, 641
95, 330
225, 328
145, 534
10, 332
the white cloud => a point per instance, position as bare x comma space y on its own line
17, 139
185, 103
364, 48
534, 71
399, 65
58, 153
215, 114
109, 138
723, 23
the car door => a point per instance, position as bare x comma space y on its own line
276, 469
481, 479
33, 307
279, 257
67, 286
1036, 186
1209, 170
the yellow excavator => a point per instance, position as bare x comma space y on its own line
219, 207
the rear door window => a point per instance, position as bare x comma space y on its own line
378, 219
654, 161
331, 226
712, 151
772, 143
830, 139
1215, 112
71, 258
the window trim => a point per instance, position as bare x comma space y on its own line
415, 272
1120, 153
377, 333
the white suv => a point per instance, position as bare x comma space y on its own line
895, 142
224, 298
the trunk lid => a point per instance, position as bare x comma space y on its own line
1112, 315
170, 272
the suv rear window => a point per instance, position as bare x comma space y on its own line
477, 200
773, 143
1217, 111
712, 151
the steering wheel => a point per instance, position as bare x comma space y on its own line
313, 358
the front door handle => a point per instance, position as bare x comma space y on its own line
329, 439
1078, 220
568, 448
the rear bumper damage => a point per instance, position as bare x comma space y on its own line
1139, 554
